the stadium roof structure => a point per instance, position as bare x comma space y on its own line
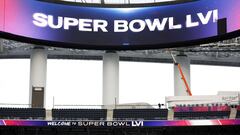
223, 53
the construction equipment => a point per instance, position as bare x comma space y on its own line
182, 75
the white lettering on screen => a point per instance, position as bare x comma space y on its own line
119, 26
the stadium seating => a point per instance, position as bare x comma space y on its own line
22, 113
140, 114
201, 108
79, 114
238, 111
202, 112
202, 115
180, 113
238, 114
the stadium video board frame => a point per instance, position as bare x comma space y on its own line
114, 27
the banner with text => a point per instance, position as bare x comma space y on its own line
157, 26
155, 123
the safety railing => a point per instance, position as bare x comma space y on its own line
115, 106
15, 105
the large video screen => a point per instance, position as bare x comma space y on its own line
112, 27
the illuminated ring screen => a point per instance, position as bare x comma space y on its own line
95, 27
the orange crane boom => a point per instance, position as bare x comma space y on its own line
182, 76
184, 80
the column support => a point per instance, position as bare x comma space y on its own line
110, 80
38, 73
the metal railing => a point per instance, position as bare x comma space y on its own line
87, 106
15, 105
119, 106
